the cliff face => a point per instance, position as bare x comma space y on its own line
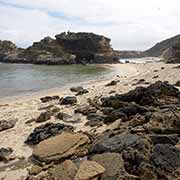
47, 51
67, 48
88, 47
8, 51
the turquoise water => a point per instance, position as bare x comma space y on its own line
17, 79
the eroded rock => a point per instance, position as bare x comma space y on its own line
45, 131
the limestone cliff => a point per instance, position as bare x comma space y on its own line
66, 48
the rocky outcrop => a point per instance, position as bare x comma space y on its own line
88, 47
66, 48
10, 53
139, 138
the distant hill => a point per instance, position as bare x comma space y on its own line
166, 49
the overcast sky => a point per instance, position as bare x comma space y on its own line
131, 24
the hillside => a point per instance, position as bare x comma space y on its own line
167, 49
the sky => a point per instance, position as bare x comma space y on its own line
131, 24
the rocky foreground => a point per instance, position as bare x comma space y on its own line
66, 48
124, 129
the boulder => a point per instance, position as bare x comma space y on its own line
44, 116
49, 98
112, 83
63, 116
113, 163
89, 170
109, 142
164, 139
61, 147
34, 170
81, 92
4, 153
166, 157
94, 119
86, 109
77, 89
4, 125
69, 100
65, 171
177, 83
45, 131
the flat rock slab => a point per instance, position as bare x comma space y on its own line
61, 147
66, 170
113, 163
89, 170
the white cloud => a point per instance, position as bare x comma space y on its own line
130, 24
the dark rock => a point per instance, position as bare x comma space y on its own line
168, 118
81, 92
76, 89
132, 160
113, 102
69, 100
147, 171
44, 116
137, 120
63, 116
177, 83
141, 81
4, 152
112, 83
107, 110
156, 94
166, 157
154, 77
49, 98
164, 139
46, 131
85, 110
125, 112
114, 115
4, 125
94, 119
117, 143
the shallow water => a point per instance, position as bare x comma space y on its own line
17, 79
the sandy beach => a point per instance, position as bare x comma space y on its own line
25, 108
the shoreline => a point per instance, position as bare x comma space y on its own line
23, 109
125, 70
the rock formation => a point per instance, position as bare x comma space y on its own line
88, 47
66, 48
